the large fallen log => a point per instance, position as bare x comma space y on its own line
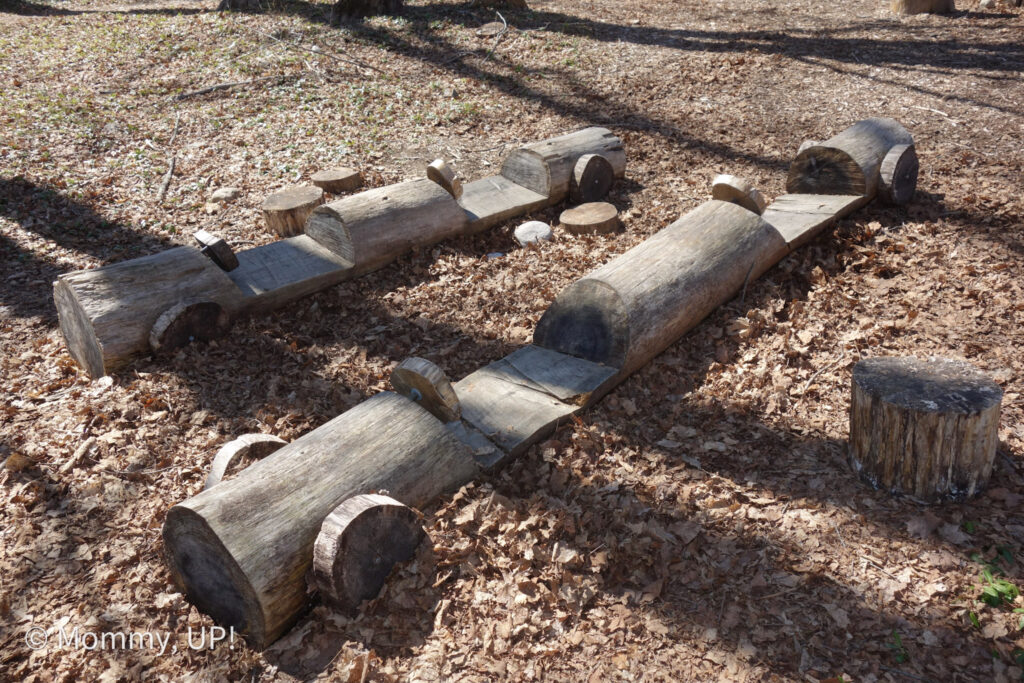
547, 167
240, 550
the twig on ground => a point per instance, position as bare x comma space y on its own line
174, 133
227, 86
319, 51
167, 180
807, 384
904, 673
502, 32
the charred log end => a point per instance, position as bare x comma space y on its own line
187, 322
589, 321
825, 170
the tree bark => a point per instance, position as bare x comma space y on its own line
849, 162
286, 211
107, 314
547, 167
629, 310
241, 549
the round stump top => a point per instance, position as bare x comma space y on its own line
934, 384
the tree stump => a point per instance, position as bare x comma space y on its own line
592, 178
338, 180
923, 6
592, 218
359, 544
422, 381
344, 10
256, 446
441, 172
186, 322
897, 176
729, 188
924, 428
286, 211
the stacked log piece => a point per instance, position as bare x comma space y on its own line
593, 218
592, 178
547, 167
286, 211
928, 428
338, 180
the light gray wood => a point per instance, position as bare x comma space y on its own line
106, 314
241, 549
276, 274
286, 211
928, 428
216, 249
800, 218
442, 173
187, 321
729, 188
338, 180
567, 378
359, 544
491, 201
923, 6
592, 178
256, 446
595, 218
847, 163
373, 228
422, 381
546, 167
629, 310
898, 175
807, 143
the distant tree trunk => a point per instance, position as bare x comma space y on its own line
344, 10
923, 6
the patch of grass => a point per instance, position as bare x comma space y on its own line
895, 644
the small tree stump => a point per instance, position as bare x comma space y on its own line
592, 218
729, 188
441, 172
286, 211
925, 428
897, 176
188, 321
359, 544
427, 384
217, 250
255, 446
592, 178
338, 180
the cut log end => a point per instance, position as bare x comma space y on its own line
427, 384
924, 428
825, 170
592, 178
898, 175
247, 446
359, 544
338, 180
591, 218
442, 173
217, 250
78, 330
186, 322
286, 211
729, 188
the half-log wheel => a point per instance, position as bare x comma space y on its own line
255, 446
359, 544
925, 428
729, 188
592, 178
442, 173
427, 384
898, 175
187, 322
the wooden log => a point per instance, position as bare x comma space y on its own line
359, 544
216, 249
107, 314
849, 162
420, 380
923, 6
188, 321
898, 175
807, 143
255, 446
800, 218
592, 178
627, 311
338, 180
375, 227
286, 211
925, 428
493, 200
442, 173
547, 167
729, 188
240, 550
595, 218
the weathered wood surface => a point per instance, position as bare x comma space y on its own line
106, 314
442, 173
373, 228
595, 218
286, 211
567, 378
241, 549
281, 272
847, 163
923, 6
928, 428
491, 201
592, 178
188, 321
547, 167
729, 188
629, 310
216, 249
897, 176
800, 218
338, 180
359, 544
256, 446
423, 382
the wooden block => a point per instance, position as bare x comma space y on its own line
729, 188
800, 218
216, 249
422, 381
338, 180
442, 173
256, 446
898, 175
592, 178
589, 219
286, 211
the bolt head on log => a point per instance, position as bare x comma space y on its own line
923, 428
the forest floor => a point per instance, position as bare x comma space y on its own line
701, 523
